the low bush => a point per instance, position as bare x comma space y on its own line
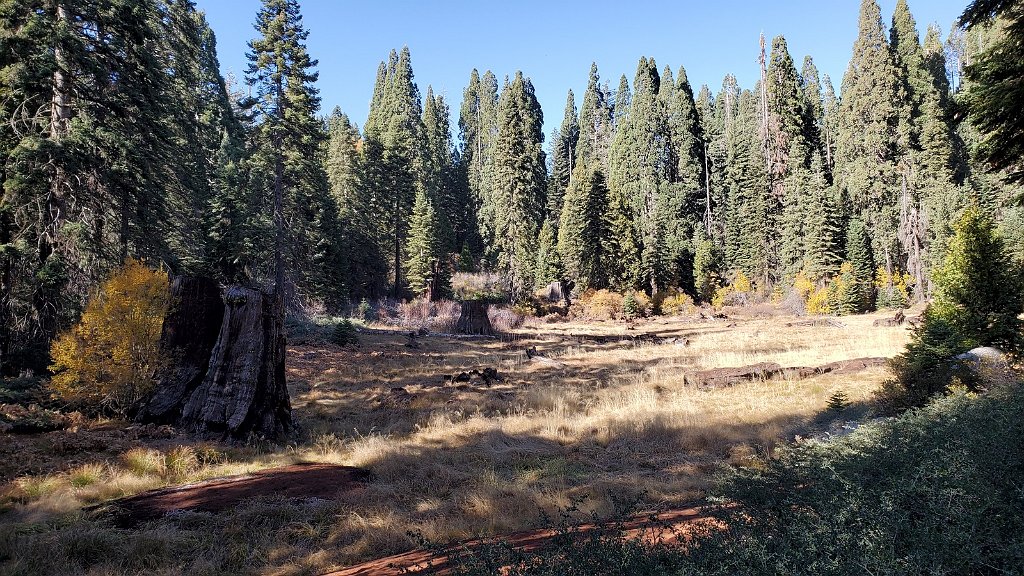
108, 359
674, 302
344, 333
598, 305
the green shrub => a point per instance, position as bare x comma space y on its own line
630, 308
345, 333
978, 300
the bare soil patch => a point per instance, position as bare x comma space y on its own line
325, 481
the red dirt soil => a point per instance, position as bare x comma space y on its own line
324, 481
666, 527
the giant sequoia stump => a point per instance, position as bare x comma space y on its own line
189, 334
473, 319
231, 379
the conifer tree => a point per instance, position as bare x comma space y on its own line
288, 143
548, 267
563, 158
596, 117
866, 143
859, 254
394, 149
519, 177
424, 252
747, 187
829, 125
822, 226
713, 144
477, 130
621, 102
995, 93
365, 267
583, 232
641, 171
813, 106
439, 180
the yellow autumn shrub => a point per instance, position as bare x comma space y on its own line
893, 288
674, 302
108, 359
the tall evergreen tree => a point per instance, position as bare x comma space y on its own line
477, 130
366, 268
596, 121
583, 231
519, 177
563, 151
396, 162
866, 141
641, 170
288, 145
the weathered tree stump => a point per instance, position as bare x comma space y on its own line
189, 333
473, 319
244, 390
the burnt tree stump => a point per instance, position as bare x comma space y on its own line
190, 330
473, 319
244, 390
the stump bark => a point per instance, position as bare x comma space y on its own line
189, 333
244, 390
227, 372
473, 319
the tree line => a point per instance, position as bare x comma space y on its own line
122, 139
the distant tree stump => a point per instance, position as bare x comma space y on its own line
189, 334
244, 391
473, 319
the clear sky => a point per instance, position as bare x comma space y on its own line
554, 41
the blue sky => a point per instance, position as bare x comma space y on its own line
554, 42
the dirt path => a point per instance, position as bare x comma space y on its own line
663, 527
325, 481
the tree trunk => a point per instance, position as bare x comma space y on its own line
244, 390
473, 319
189, 334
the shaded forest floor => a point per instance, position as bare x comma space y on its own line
606, 422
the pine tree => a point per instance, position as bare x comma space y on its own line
786, 154
978, 302
477, 130
87, 144
813, 106
641, 170
583, 232
860, 256
519, 177
288, 142
925, 151
866, 145
563, 158
596, 117
621, 101
424, 264
713, 146
822, 227
366, 268
995, 93
440, 179
395, 157
548, 267
747, 187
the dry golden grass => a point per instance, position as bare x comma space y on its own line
613, 425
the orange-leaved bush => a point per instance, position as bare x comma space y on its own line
109, 358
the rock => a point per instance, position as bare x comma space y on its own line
988, 363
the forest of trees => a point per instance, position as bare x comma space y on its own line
120, 138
